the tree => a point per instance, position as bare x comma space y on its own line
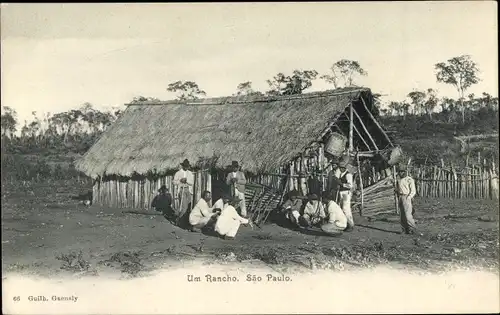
8, 121
417, 100
245, 88
186, 90
431, 102
346, 70
461, 72
299, 81
140, 99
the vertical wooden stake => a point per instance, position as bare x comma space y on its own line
351, 124
394, 178
360, 184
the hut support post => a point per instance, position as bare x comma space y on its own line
351, 124
360, 185
375, 121
364, 128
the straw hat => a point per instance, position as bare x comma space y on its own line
402, 167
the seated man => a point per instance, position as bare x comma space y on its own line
201, 213
337, 221
314, 212
229, 220
292, 207
163, 203
221, 203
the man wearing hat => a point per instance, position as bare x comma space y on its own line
337, 221
163, 203
184, 181
229, 220
344, 190
314, 212
405, 189
237, 181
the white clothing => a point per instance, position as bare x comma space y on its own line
229, 222
242, 204
406, 187
345, 204
188, 175
336, 215
314, 211
348, 178
201, 213
219, 204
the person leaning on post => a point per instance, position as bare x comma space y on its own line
237, 181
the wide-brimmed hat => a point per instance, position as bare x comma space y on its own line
312, 197
235, 164
343, 162
294, 193
162, 188
402, 167
186, 163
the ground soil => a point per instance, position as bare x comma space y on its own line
44, 231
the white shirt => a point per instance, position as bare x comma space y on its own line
336, 215
202, 209
219, 204
228, 219
348, 177
188, 175
314, 209
406, 186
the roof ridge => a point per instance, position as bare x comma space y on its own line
222, 100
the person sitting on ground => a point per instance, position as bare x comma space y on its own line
337, 221
314, 212
229, 220
202, 213
292, 207
163, 203
221, 203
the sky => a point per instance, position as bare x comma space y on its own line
56, 57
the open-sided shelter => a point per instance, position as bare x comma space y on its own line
279, 142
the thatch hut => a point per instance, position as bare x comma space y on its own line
279, 141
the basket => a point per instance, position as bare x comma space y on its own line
395, 156
336, 144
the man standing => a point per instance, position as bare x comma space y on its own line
344, 191
184, 181
236, 181
405, 189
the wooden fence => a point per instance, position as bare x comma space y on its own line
478, 181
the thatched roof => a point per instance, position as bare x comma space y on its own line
262, 133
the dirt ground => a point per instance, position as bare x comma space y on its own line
45, 231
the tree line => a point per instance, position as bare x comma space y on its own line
77, 129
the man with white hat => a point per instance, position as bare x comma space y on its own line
405, 189
345, 185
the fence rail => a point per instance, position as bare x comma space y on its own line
479, 181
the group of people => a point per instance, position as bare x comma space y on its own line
332, 210
221, 217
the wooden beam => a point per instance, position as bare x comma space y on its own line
375, 121
359, 134
351, 124
360, 184
366, 130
